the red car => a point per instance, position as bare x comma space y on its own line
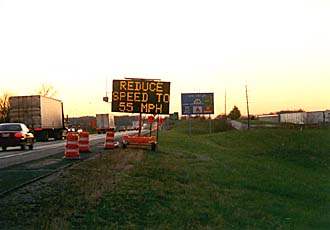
15, 134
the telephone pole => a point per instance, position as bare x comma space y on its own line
247, 106
226, 103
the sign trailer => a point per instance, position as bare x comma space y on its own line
141, 96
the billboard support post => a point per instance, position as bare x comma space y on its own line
189, 125
210, 124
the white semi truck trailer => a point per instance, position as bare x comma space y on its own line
43, 115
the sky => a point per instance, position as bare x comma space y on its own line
279, 49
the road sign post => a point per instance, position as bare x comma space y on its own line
189, 125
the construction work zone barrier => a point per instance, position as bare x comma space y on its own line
140, 141
72, 146
84, 141
109, 140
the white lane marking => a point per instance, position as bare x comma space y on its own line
16, 154
47, 146
36, 148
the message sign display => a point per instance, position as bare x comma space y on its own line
197, 103
141, 96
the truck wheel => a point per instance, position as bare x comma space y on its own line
4, 148
30, 147
22, 147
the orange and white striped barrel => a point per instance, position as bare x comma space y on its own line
72, 146
109, 140
84, 141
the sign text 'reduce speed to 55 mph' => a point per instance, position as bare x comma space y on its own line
141, 96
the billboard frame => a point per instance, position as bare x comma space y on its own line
197, 103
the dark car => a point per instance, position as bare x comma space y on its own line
15, 134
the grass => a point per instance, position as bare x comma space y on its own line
201, 126
262, 179
258, 122
258, 179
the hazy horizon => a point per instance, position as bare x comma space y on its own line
279, 49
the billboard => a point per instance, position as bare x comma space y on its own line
197, 103
141, 96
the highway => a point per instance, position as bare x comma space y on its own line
14, 155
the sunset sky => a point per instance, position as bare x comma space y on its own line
280, 49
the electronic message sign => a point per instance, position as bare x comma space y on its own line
141, 96
197, 103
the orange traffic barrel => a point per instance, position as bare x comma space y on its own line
109, 140
84, 141
72, 146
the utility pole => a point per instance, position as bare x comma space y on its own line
247, 106
226, 103
106, 98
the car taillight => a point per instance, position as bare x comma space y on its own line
19, 135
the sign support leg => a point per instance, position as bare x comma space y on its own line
157, 127
140, 124
150, 127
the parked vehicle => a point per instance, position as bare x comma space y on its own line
104, 122
43, 115
15, 134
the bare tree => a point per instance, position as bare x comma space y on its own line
4, 107
47, 90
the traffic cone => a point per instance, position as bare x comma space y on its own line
109, 140
84, 141
72, 146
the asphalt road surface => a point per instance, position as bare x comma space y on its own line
14, 155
